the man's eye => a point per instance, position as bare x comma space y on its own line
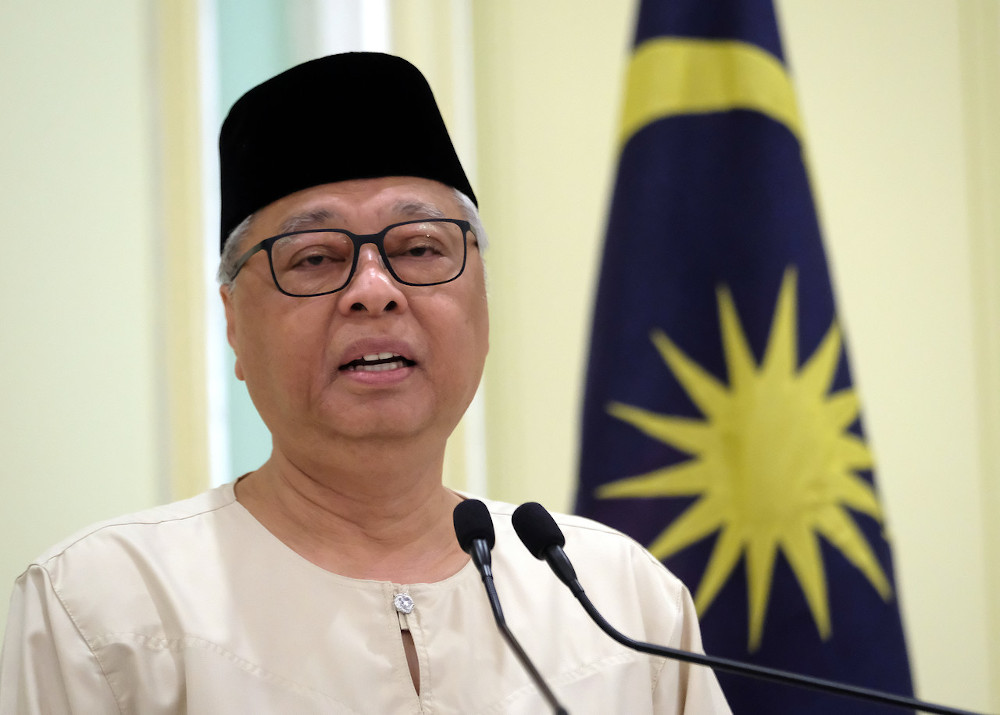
319, 259
418, 247
420, 251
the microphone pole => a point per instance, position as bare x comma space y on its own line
474, 529
544, 539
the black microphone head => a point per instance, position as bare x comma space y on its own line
537, 529
473, 521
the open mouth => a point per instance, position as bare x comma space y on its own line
378, 362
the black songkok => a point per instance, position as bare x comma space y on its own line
358, 115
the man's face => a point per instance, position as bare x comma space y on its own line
299, 356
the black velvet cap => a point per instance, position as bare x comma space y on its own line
357, 115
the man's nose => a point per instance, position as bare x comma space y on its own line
372, 289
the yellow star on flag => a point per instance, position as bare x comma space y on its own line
773, 463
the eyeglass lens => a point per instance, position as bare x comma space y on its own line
420, 253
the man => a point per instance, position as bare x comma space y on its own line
330, 579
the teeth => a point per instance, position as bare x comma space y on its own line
379, 367
378, 362
379, 356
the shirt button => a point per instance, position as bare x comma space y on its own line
403, 603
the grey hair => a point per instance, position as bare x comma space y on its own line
472, 216
231, 250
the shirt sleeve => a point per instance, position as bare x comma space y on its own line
46, 665
689, 688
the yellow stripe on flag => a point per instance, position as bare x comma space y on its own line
670, 76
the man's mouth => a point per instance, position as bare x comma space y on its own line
378, 362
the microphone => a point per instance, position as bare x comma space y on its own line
474, 529
545, 540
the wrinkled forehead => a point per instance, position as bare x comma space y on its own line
331, 217
361, 206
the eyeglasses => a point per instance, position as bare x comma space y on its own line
423, 252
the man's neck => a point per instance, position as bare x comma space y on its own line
389, 521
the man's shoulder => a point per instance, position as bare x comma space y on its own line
140, 573
591, 543
573, 526
629, 585
141, 525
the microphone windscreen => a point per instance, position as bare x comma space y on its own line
537, 529
473, 521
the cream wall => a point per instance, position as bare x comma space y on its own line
890, 110
81, 417
547, 77
894, 157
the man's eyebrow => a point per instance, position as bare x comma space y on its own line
308, 219
417, 209
325, 218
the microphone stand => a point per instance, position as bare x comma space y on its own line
543, 538
485, 571
763, 672
474, 530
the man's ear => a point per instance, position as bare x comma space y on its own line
227, 304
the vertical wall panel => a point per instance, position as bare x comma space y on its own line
81, 419
254, 43
180, 252
881, 92
979, 38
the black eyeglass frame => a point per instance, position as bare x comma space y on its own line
359, 240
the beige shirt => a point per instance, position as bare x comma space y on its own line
195, 607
